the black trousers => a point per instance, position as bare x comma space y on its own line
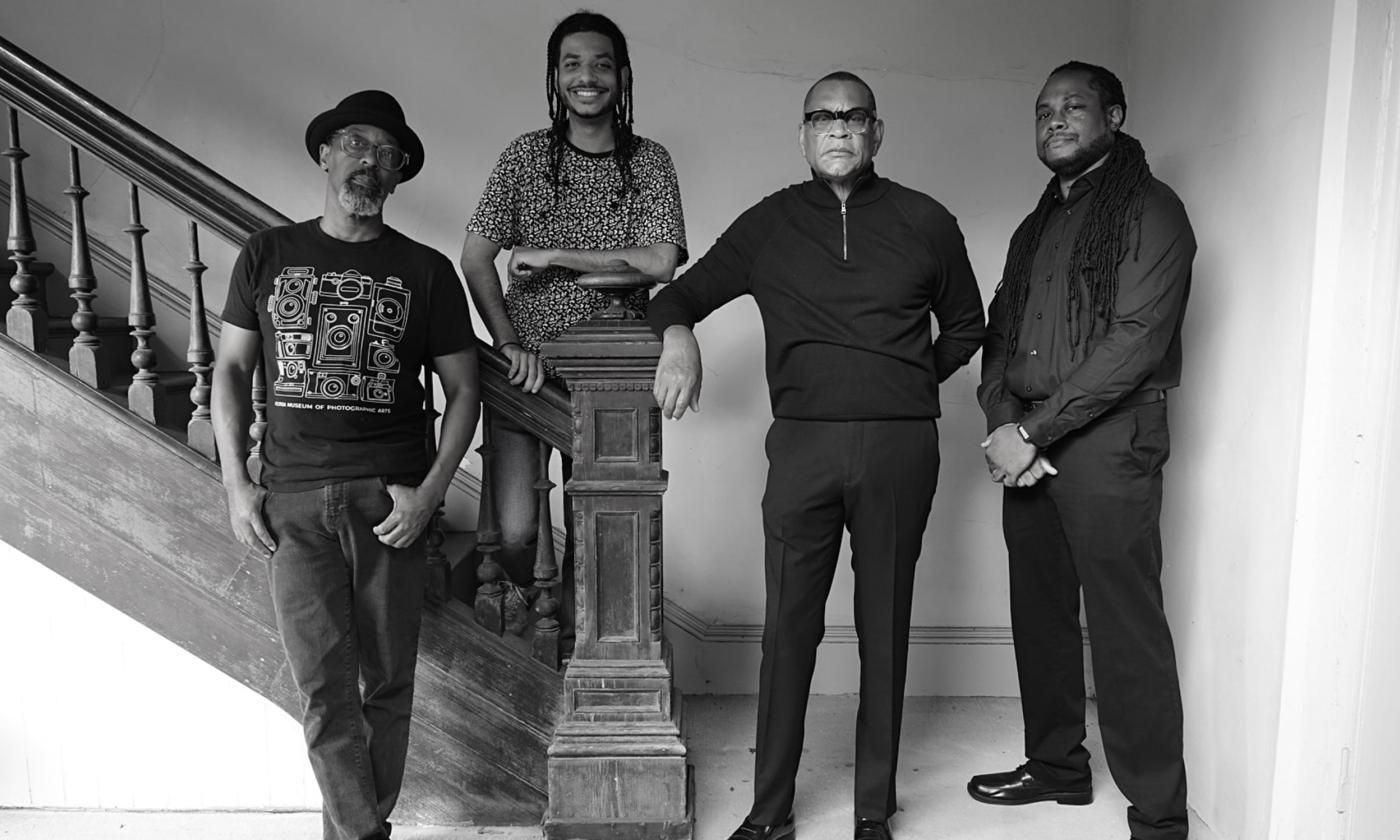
875, 478
1094, 528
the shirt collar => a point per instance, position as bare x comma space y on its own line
869, 187
1081, 186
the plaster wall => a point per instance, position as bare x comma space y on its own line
111, 715
719, 84
1230, 102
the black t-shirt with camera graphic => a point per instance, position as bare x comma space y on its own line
346, 328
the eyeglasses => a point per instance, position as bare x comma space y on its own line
857, 120
391, 158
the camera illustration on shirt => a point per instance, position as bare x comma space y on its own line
332, 385
293, 292
337, 335
340, 334
291, 378
294, 345
390, 310
379, 390
382, 356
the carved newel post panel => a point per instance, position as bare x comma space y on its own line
617, 765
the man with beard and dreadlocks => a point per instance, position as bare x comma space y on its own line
344, 313
577, 196
1084, 341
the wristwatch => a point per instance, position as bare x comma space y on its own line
1021, 430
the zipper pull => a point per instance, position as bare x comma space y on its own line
843, 231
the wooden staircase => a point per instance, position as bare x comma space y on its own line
126, 509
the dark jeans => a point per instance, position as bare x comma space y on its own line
1095, 527
349, 609
875, 478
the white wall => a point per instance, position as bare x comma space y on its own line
100, 712
720, 84
1233, 99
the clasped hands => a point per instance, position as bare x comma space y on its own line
1014, 462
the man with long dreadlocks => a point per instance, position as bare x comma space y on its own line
1084, 341
571, 198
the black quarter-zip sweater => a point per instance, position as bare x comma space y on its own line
845, 293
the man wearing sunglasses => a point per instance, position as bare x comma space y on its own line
344, 313
846, 269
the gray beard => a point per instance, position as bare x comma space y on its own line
360, 199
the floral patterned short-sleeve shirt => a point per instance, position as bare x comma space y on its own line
519, 207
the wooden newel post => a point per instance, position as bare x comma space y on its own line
617, 765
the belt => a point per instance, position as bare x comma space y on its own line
1146, 396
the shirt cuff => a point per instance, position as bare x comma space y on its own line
1003, 413
661, 318
1039, 429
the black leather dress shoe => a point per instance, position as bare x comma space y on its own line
1019, 787
753, 831
872, 830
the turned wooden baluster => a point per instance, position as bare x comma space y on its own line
258, 430
546, 642
490, 594
26, 321
87, 358
436, 586
200, 355
146, 393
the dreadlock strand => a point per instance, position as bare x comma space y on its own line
558, 118
623, 140
1111, 230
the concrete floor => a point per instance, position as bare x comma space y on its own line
945, 741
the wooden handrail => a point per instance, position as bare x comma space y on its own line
547, 415
204, 195
219, 205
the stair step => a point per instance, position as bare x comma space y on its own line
463, 584
114, 332
463, 563
178, 407
457, 545
483, 710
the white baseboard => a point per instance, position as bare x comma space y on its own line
945, 661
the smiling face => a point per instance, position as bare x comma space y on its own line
1073, 130
589, 82
839, 155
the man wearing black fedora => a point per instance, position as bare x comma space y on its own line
344, 312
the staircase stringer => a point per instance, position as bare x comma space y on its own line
137, 519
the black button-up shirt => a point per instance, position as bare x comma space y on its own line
1139, 349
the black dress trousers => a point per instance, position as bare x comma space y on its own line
875, 478
1094, 527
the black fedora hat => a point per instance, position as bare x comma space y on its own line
368, 107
